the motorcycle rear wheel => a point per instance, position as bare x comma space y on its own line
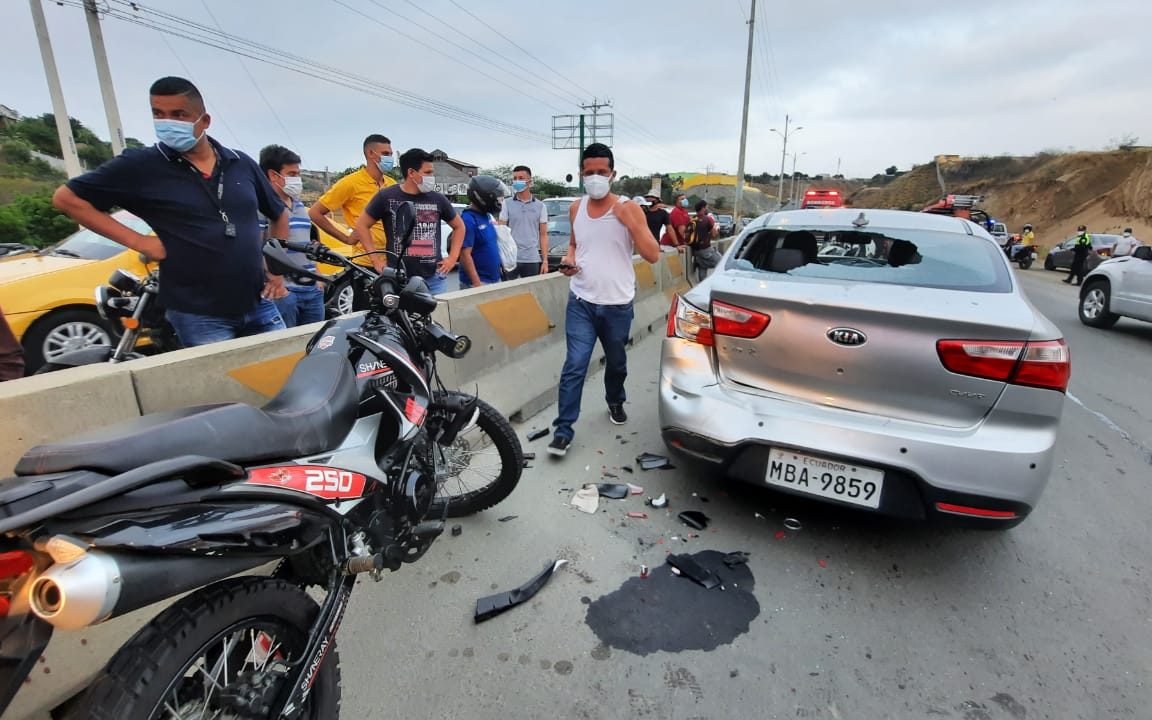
481, 468
215, 640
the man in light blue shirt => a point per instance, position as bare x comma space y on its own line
527, 217
304, 302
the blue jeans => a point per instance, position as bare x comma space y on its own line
437, 283
194, 329
586, 323
301, 306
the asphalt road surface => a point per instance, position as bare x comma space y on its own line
849, 617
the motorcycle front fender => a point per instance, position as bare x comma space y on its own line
87, 356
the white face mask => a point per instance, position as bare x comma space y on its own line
427, 183
293, 186
597, 186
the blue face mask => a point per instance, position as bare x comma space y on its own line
177, 134
519, 185
386, 163
684, 202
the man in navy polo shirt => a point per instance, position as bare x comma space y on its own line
204, 202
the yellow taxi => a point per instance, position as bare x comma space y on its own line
49, 297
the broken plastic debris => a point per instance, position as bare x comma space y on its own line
627, 469
613, 491
643, 572
758, 515
635, 489
649, 461
638, 515
537, 434
693, 570
506, 518
780, 534
609, 475
822, 563
733, 559
586, 499
658, 503
675, 570
456, 530
792, 524
694, 519
492, 605
529, 456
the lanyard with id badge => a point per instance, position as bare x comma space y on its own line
229, 226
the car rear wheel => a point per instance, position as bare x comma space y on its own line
1049, 263
1094, 305
60, 333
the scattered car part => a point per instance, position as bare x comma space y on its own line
694, 519
492, 605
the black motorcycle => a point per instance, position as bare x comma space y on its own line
130, 303
352, 468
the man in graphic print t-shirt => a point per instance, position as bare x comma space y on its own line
424, 254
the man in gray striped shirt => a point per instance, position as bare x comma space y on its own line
527, 217
304, 302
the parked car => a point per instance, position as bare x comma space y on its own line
559, 237
906, 376
8, 249
725, 224
1120, 287
558, 207
49, 296
1060, 257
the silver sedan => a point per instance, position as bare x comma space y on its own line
877, 359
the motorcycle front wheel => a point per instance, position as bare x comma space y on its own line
209, 655
479, 469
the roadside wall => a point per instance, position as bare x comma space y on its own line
517, 329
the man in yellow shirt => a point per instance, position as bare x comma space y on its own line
351, 193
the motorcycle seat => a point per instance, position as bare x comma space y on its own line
311, 414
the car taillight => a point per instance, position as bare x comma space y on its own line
12, 565
689, 322
833, 192
810, 193
737, 321
1035, 364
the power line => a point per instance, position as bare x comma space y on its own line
190, 30
470, 66
251, 79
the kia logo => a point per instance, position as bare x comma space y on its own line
847, 337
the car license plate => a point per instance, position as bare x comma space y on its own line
825, 478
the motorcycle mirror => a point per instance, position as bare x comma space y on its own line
280, 263
404, 223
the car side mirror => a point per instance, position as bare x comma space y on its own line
1144, 252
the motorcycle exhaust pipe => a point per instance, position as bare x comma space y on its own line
100, 586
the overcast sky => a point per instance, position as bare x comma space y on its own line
872, 82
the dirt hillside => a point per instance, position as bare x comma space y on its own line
1107, 191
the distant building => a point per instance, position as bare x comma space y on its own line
7, 116
452, 176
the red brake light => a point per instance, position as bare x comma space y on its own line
1035, 364
976, 512
737, 321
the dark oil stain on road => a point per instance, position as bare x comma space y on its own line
669, 613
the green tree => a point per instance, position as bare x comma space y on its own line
12, 225
891, 171
132, 143
43, 222
546, 188
503, 173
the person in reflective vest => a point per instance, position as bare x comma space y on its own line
1080, 256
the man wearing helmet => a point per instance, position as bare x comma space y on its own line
1080, 256
1027, 237
423, 257
480, 255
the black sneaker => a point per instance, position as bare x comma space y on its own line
559, 446
617, 414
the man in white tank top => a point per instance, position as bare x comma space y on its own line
605, 230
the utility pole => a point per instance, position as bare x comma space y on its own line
63, 125
595, 106
837, 166
784, 156
744, 119
579, 162
115, 129
794, 196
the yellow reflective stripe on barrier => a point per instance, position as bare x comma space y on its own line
267, 376
517, 319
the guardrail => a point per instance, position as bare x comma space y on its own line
517, 329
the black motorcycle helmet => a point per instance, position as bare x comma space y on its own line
1028, 226
486, 193
1081, 228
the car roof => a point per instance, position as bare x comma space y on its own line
877, 219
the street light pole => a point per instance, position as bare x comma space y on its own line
104, 75
794, 197
63, 125
784, 156
744, 120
